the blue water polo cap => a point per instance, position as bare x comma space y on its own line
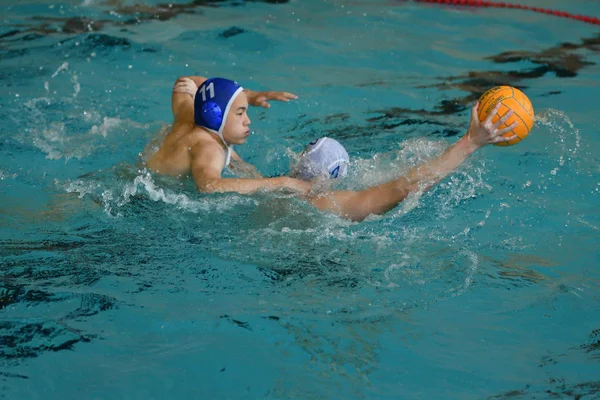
213, 100
322, 157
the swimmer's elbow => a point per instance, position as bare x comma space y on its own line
208, 186
206, 190
198, 80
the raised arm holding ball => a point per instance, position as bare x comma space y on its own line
357, 205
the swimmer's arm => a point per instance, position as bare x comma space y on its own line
198, 80
260, 99
206, 170
357, 206
210, 183
382, 198
379, 199
182, 98
479, 134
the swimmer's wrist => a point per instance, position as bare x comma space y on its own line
467, 144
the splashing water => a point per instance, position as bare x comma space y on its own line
567, 138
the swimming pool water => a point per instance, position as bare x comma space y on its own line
117, 284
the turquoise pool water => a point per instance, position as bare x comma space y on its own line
117, 284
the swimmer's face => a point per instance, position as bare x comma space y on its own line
237, 125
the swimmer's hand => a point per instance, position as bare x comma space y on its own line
486, 132
185, 85
296, 185
260, 99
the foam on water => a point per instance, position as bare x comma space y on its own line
78, 135
115, 192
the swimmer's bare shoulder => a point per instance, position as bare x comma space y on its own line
207, 160
174, 154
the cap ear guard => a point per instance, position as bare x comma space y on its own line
212, 115
337, 171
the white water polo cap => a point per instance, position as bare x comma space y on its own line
323, 157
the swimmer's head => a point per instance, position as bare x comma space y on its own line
324, 157
221, 107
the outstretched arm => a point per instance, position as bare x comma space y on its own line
207, 164
184, 91
260, 99
379, 199
478, 135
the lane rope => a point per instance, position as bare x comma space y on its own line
495, 4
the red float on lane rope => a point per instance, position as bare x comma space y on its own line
481, 3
